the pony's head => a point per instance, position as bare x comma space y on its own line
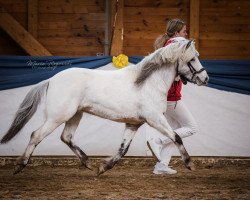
183, 53
180, 53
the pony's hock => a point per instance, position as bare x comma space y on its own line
138, 96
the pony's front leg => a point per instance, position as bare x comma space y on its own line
128, 136
160, 123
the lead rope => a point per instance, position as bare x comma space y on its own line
175, 85
175, 90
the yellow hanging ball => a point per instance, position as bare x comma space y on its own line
120, 61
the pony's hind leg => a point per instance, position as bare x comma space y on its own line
128, 136
160, 123
36, 137
67, 137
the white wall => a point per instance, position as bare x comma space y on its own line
223, 119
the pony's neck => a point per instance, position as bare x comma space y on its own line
162, 79
157, 69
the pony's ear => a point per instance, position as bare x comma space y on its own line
189, 44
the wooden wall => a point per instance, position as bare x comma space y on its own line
71, 27
225, 29
145, 20
224, 26
65, 27
18, 10
77, 27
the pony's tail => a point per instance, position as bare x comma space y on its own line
26, 110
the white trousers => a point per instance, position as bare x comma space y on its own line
182, 122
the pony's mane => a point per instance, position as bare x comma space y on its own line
161, 58
151, 64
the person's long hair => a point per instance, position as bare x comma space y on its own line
173, 26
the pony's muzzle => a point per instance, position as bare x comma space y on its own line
202, 82
206, 80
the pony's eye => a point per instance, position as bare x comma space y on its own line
193, 59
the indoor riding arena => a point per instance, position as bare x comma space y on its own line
74, 74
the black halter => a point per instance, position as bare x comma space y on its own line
192, 70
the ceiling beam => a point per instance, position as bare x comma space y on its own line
21, 36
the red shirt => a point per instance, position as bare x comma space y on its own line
174, 93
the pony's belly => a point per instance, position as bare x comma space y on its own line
131, 119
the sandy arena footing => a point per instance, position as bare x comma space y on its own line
132, 178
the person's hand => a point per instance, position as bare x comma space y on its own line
177, 78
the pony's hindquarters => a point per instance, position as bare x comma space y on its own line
64, 95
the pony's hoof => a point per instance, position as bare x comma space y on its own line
100, 170
105, 166
18, 168
88, 165
191, 166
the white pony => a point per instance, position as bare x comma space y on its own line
133, 95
